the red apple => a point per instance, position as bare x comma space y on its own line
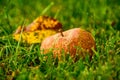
74, 42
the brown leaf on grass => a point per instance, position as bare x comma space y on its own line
39, 29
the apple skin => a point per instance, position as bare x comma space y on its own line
74, 42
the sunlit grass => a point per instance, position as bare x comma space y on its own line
23, 61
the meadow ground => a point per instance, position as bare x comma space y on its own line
24, 62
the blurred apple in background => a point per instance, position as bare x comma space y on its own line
74, 42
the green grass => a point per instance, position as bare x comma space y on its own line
24, 62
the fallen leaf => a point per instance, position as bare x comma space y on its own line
39, 29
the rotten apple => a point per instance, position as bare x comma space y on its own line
74, 42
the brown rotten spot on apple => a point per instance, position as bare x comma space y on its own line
74, 42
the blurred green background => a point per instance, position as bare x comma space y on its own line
87, 13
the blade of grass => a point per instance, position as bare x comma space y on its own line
57, 13
18, 45
47, 8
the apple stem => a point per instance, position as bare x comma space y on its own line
61, 32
